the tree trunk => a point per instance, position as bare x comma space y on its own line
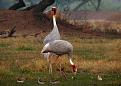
43, 5
98, 6
17, 5
81, 4
39, 8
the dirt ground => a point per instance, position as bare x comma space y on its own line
26, 23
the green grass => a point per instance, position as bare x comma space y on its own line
24, 48
84, 79
4, 45
20, 57
87, 53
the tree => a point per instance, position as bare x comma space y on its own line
43, 5
39, 8
17, 5
95, 3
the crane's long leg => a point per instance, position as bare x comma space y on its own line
60, 67
61, 70
50, 63
50, 68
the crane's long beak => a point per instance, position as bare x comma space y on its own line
47, 11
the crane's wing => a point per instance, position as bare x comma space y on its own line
53, 35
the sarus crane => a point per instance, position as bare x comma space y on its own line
54, 45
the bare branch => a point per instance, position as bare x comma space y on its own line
12, 31
81, 4
17, 5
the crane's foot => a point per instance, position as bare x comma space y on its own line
62, 72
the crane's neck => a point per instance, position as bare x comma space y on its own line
71, 62
54, 20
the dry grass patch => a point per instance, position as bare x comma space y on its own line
100, 66
93, 55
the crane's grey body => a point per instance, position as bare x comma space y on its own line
54, 34
59, 47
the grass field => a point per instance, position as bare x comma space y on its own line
20, 57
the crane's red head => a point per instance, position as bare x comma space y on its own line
74, 68
54, 10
